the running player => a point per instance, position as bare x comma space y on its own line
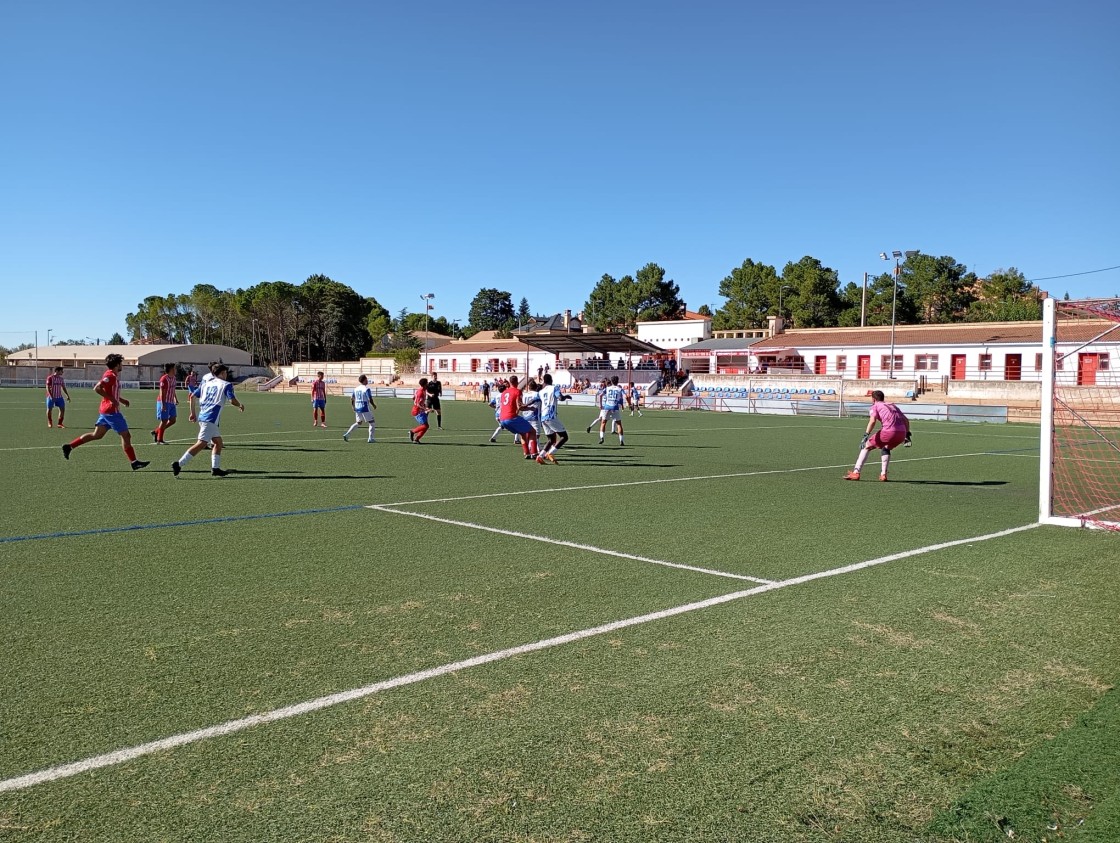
634, 399
362, 402
551, 396
509, 408
419, 412
191, 383
213, 395
610, 402
167, 404
110, 418
531, 408
319, 401
895, 431
435, 390
56, 389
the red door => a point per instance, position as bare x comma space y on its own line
1013, 367
820, 365
863, 366
957, 367
1087, 369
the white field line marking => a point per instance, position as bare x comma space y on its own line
231, 726
760, 473
575, 545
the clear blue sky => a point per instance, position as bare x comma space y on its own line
444, 147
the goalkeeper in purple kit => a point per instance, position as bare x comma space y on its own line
894, 431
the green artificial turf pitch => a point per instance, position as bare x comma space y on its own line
680, 639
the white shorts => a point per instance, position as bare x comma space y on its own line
553, 426
536, 423
364, 417
209, 431
609, 415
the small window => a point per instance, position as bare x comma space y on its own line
885, 363
841, 363
1038, 362
925, 362
985, 362
1102, 361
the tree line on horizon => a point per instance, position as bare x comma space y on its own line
324, 319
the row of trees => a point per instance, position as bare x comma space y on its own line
927, 290
323, 319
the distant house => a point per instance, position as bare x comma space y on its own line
482, 357
672, 334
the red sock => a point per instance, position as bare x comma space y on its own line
74, 443
419, 431
130, 452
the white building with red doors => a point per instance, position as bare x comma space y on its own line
973, 351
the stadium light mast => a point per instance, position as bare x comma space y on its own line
427, 299
897, 255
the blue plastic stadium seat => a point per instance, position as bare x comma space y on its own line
832, 392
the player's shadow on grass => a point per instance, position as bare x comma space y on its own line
251, 474
952, 482
264, 446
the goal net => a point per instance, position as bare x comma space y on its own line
1080, 467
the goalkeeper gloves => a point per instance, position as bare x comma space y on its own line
864, 440
907, 442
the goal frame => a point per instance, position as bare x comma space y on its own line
1047, 451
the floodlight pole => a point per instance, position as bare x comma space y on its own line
427, 299
897, 255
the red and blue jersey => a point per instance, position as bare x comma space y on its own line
54, 386
508, 403
318, 390
110, 393
167, 389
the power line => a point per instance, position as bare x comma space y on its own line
1072, 274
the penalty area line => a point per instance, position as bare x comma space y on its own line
121, 756
575, 545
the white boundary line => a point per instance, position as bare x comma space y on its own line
121, 756
575, 545
732, 476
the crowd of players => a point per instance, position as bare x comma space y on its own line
529, 413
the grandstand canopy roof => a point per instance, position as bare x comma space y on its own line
595, 342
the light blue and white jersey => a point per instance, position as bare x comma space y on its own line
213, 395
497, 408
613, 396
532, 400
550, 401
362, 399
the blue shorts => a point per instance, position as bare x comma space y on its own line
56, 402
166, 412
519, 425
113, 421
421, 418
319, 404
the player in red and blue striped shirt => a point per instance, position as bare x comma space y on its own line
167, 405
319, 401
56, 388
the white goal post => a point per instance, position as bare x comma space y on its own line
1079, 466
